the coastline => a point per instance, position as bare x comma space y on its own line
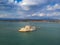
58, 21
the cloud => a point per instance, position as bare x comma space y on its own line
39, 14
33, 2
2, 15
54, 7
28, 4
30, 8
49, 11
10, 1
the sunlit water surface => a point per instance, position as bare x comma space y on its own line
47, 34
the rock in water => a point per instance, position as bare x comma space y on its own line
27, 28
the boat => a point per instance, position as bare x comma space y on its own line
27, 28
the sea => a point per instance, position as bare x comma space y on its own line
47, 33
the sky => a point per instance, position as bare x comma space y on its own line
30, 9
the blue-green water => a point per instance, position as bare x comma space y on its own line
47, 34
